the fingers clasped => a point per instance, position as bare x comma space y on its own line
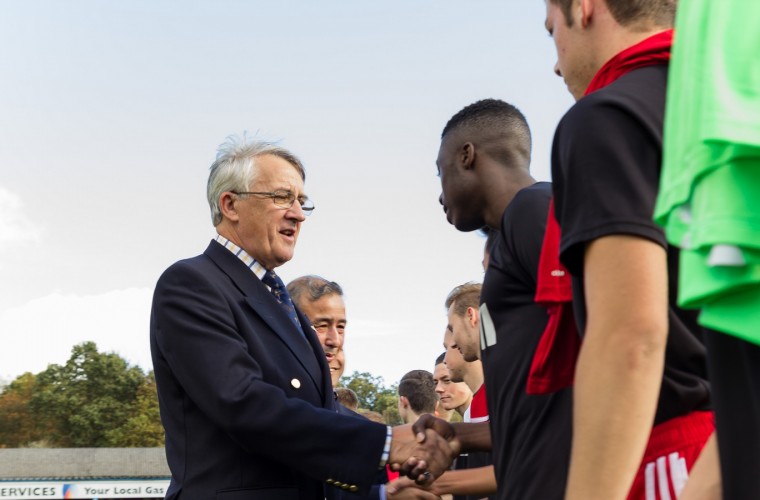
426, 450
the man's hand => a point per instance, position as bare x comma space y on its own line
397, 487
440, 426
476, 482
404, 488
471, 436
424, 455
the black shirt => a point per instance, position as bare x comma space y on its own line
530, 434
606, 168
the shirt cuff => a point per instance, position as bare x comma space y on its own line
387, 448
381, 492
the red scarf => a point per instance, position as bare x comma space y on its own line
553, 365
649, 52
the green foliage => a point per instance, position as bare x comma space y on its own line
374, 395
94, 400
98, 400
18, 424
143, 427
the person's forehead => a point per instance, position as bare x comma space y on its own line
450, 310
331, 304
454, 320
448, 337
552, 11
332, 300
272, 169
446, 149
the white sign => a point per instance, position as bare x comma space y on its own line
30, 490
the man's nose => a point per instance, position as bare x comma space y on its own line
296, 212
440, 198
557, 71
332, 337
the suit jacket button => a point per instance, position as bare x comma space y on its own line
354, 488
295, 383
345, 486
338, 484
329, 481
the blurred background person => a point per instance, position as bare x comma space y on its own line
321, 301
416, 395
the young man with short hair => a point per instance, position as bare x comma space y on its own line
641, 388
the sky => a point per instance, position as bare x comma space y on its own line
112, 113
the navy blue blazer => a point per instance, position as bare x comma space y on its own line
381, 476
245, 395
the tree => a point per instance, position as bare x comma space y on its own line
98, 400
19, 425
95, 400
143, 427
373, 395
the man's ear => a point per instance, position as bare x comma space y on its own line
584, 12
467, 156
404, 401
227, 205
473, 316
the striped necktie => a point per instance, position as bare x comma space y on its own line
281, 294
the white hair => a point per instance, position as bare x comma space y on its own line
235, 168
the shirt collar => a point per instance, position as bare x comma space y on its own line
241, 254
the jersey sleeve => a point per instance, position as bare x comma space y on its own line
606, 168
523, 229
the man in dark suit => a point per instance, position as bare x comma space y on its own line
244, 389
321, 301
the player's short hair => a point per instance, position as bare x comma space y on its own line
630, 12
418, 387
464, 296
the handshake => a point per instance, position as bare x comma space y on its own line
424, 450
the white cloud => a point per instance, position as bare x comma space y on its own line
44, 330
15, 227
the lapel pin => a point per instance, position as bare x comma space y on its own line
295, 383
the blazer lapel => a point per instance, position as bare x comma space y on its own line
264, 304
311, 336
270, 311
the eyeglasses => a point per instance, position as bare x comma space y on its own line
284, 199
